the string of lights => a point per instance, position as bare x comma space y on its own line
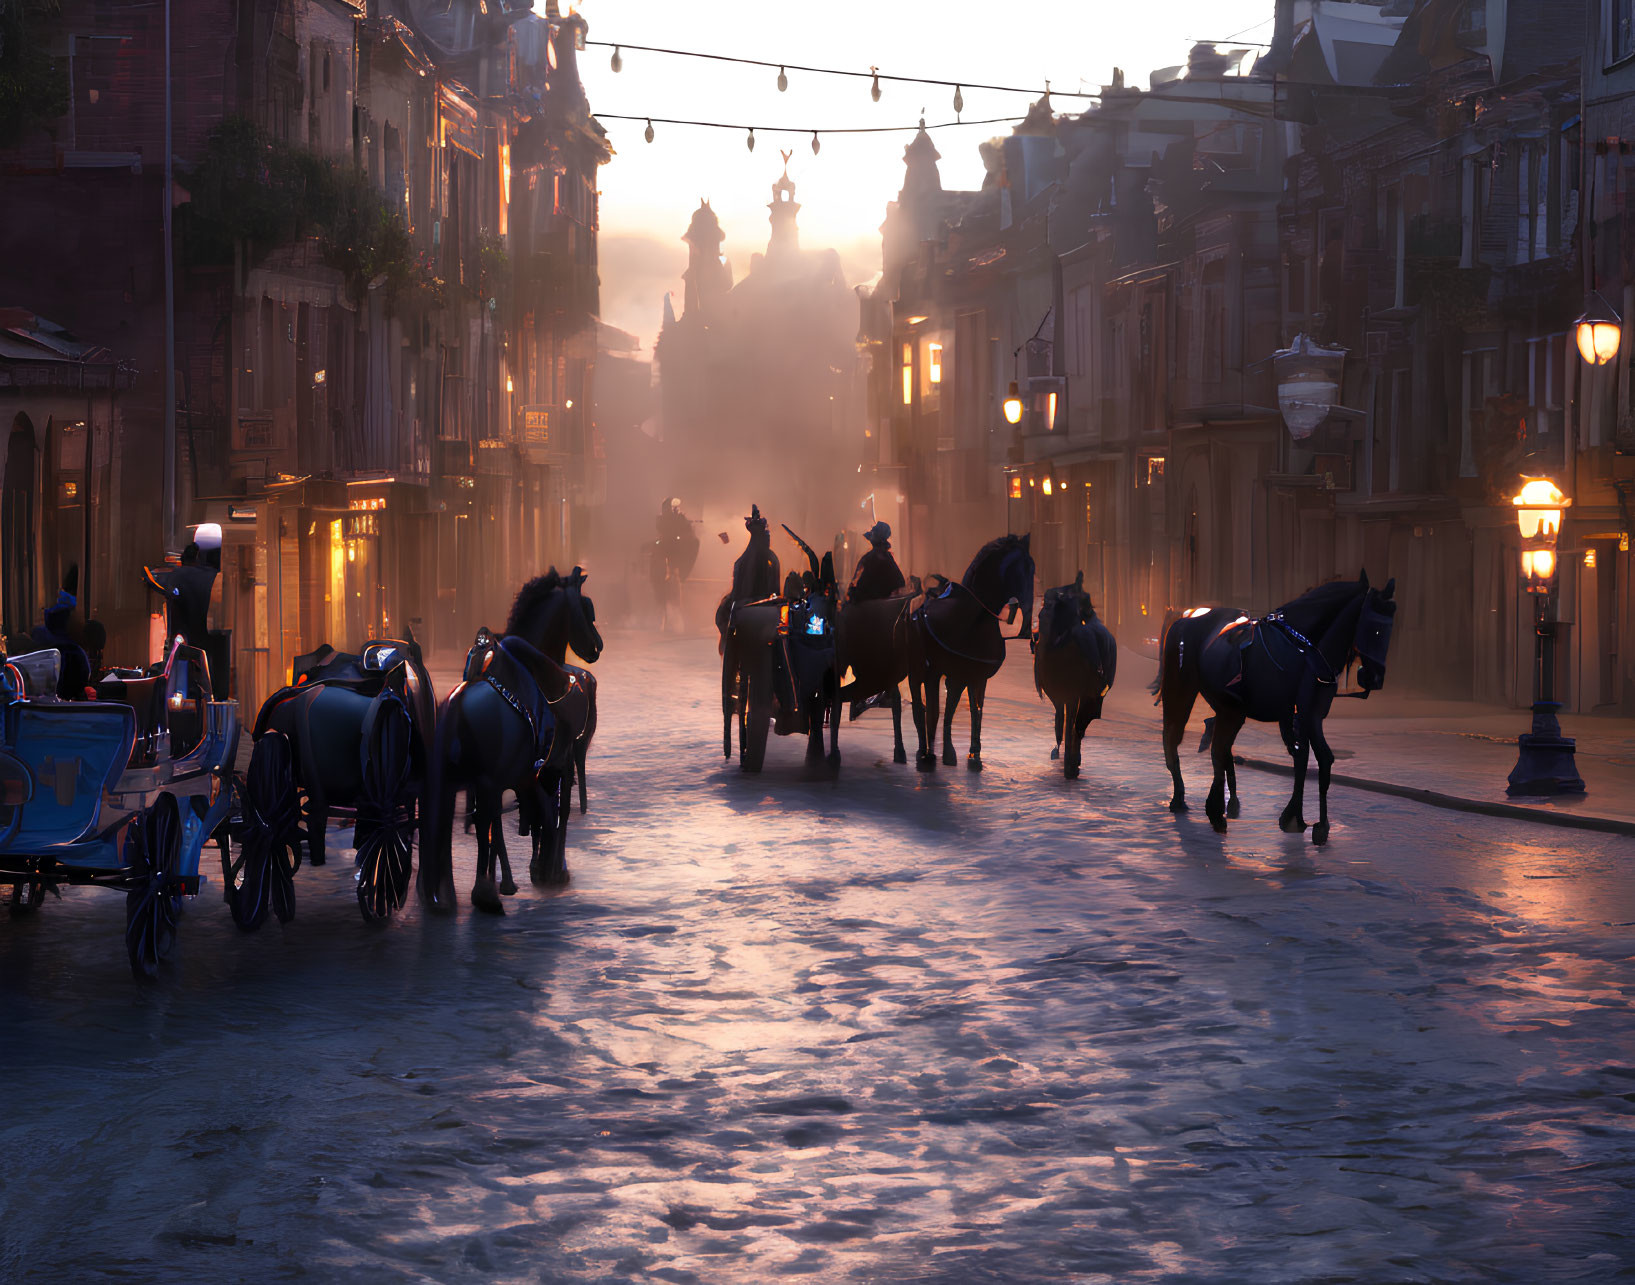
796, 129
874, 75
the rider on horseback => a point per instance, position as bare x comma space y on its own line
877, 575
757, 573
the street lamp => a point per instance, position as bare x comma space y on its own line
1598, 332
1013, 404
1545, 763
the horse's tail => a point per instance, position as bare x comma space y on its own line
437, 816
579, 749
1156, 687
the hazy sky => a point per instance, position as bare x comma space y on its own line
649, 190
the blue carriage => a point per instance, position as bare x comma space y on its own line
121, 792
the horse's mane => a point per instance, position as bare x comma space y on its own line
1325, 596
992, 550
529, 598
1064, 606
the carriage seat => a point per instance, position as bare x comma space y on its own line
73, 752
41, 671
145, 696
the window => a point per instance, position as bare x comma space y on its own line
1532, 201
1478, 382
908, 374
1546, 363
1620, 29
1078, 331
1213, 321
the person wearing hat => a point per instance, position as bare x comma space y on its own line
757, 574
877, 575
186, 591
74, 673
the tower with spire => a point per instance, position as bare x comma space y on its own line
785, 242
708, 278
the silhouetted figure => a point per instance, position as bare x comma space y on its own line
75, 673
757, 573
877, 575
186, 591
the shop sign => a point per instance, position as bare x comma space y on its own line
536, 425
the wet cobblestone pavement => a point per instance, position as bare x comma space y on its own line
888, 1027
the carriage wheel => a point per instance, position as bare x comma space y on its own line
386, 816
269, 854
26, 897
153, 852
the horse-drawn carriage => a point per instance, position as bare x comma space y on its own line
349, 736
121, 792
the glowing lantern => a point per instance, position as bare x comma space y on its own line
1599, 332
1013, 404
1538, 508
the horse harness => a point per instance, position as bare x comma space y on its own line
490, 646
947, 592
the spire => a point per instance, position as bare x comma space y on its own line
707, 277
784, 208
920, 159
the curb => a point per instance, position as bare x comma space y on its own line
1436, 799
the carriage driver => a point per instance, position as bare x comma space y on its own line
877, 575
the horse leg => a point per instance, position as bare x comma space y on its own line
1070, 768
580, 749
556, 867
508, 885
1060, 709
1178, 703
490, 841
899, 751
1293, 819
1226, 731
831, 688
955, 691
726, 711
1325, 762
974, 694
1080, 725
1233, 806
317, 823
930, 695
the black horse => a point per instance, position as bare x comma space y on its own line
955, 635
1074, 661
510, 726
1283, 668
871, 652
352, 733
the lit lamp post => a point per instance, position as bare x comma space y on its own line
1013, 404
1545, 763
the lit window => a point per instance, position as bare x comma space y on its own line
934, 353
1050, 415
1016, 486
908, 374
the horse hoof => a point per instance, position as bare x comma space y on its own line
316, 857
486, 899
834, 759
973, 762
1177, 805
926, 762
1218, 824
1291, 825
1056, 753
1233, 809
508, 888
1319, 833
1071, 773
899, 756
949, 758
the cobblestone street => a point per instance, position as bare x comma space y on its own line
888, 1026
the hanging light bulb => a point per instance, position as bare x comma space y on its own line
959, 101
751, 141
783, 80
618, 60
874, 89
815, 143
648, 133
